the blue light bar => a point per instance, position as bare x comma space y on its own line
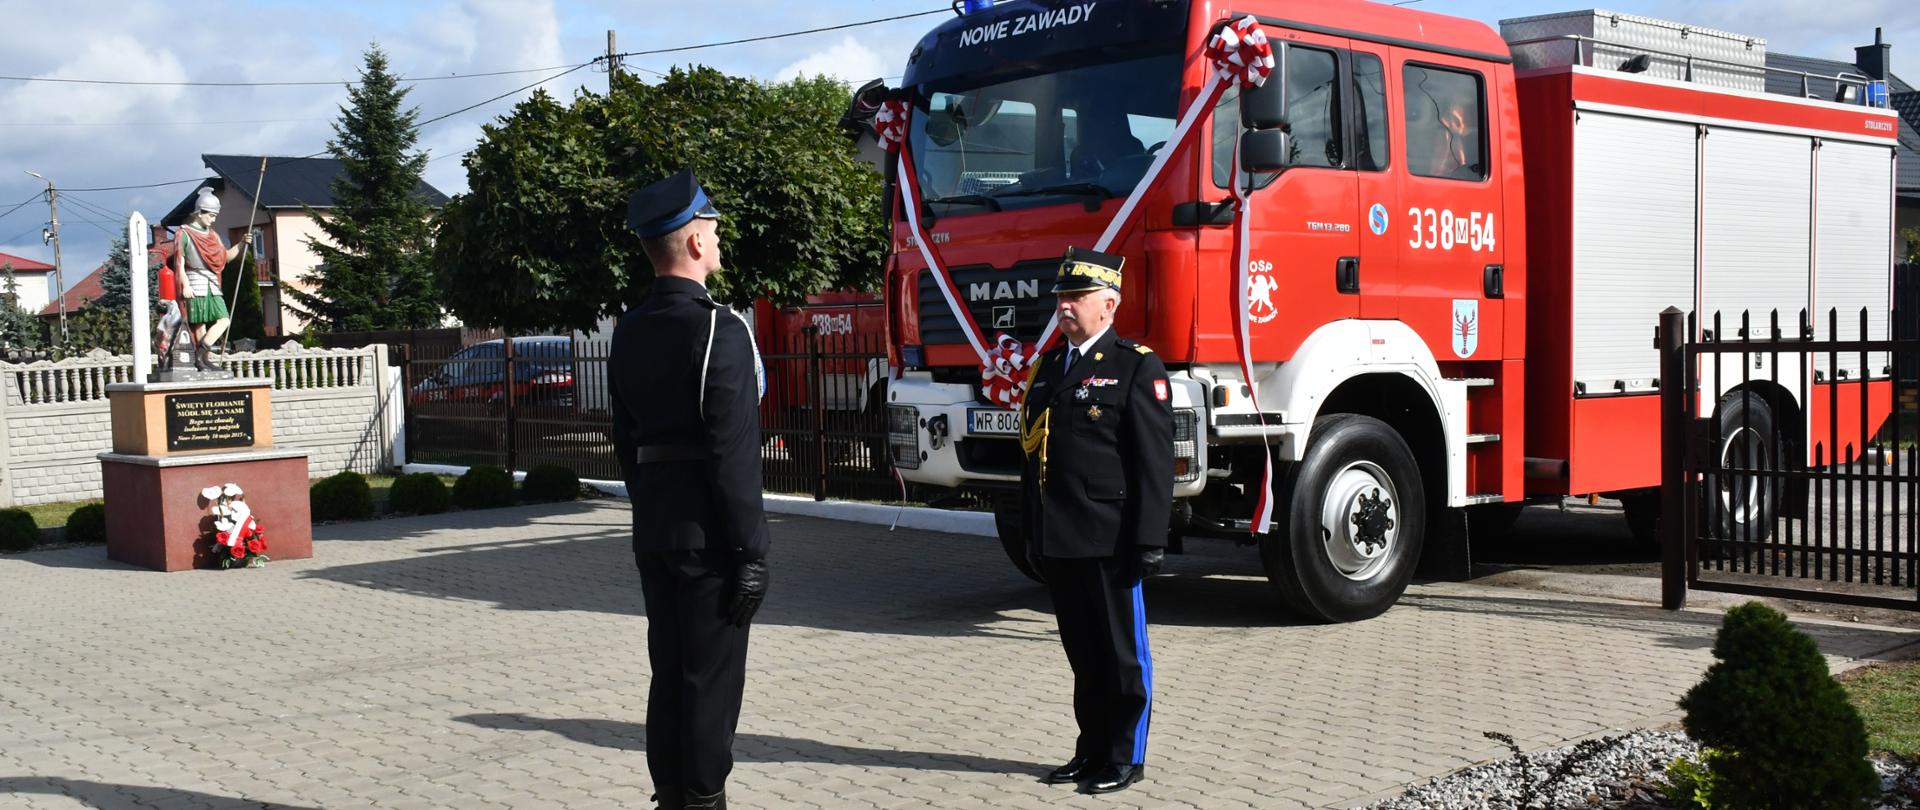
975, 6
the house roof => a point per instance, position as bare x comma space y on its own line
87, 289
291, 182
1821, 84
22, 264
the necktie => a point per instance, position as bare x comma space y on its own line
1073, 356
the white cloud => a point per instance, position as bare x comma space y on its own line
847, 60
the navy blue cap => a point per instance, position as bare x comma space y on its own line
658, 209
1084, 269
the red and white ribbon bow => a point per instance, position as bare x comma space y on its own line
1240, 52
1003, 378
890, 125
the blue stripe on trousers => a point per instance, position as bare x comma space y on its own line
1146, 673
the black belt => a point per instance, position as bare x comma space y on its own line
657, 453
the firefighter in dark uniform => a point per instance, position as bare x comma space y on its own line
686, 411
1097, 428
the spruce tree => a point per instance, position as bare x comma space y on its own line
116, 282
375, 273
19, 329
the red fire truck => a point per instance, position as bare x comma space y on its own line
1460, 241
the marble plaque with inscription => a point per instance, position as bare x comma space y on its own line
209, 421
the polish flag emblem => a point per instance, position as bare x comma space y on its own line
1160, 390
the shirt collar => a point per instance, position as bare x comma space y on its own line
1087, 347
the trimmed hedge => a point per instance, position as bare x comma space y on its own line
88, 524
548, 483
418, 494
483, 487
18, 531
341, 496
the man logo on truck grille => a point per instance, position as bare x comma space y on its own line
1003, 317
1466, 327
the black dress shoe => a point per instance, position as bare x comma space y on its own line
1075, 770
1111, 778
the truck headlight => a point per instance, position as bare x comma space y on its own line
903, 436
1186, 444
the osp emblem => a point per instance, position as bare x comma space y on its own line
1466, 327
1377, 219
1260, 287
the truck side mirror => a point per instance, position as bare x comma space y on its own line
1264, 107
857, 121
1265, 150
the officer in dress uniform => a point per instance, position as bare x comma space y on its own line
687, 432
1097, 428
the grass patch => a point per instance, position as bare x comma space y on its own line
1888, 697
53, 515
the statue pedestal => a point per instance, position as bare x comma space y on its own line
173, 439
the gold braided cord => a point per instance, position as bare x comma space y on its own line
1033, 433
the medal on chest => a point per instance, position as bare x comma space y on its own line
1093, 412
1081, 393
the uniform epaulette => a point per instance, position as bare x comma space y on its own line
1138, 347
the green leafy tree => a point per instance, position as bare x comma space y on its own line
375, 273
1911, 237
541, 242
19, 329
97, 327
1781, 730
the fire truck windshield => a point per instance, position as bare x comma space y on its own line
1046, 139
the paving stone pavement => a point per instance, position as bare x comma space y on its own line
496, 659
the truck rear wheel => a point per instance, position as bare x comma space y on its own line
1356, 519
1742, 508
1008, 522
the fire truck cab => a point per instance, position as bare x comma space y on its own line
1459, 247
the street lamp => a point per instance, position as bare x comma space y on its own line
52, 233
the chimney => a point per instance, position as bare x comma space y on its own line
1874, 60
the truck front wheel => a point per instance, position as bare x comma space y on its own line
1355, 521
1009, 523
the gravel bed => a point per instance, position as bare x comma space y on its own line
1625, 771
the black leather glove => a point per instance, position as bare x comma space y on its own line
1150, 559
749, 590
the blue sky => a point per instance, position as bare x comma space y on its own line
95, 135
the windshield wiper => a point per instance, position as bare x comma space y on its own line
1065, 188
967, 199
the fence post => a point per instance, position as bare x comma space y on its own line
506, 342
817, 403
1673, 449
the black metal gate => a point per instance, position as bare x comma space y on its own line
1787, 462
545, 400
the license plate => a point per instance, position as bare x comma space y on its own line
993, 420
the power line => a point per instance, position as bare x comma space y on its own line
842, 26
416, 128
36, 196
327, 83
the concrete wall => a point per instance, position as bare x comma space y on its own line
35, 289
343, 406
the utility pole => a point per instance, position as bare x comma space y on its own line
53, 235
613, 60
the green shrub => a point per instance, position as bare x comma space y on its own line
1692, 781
483, 487
88, 524
548, 483
18, 531
342, 496
418, 494
1784, 733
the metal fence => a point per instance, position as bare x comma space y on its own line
1801, 479
545, 400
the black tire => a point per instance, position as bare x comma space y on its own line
1743, 508
1356, 469
1008, 522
